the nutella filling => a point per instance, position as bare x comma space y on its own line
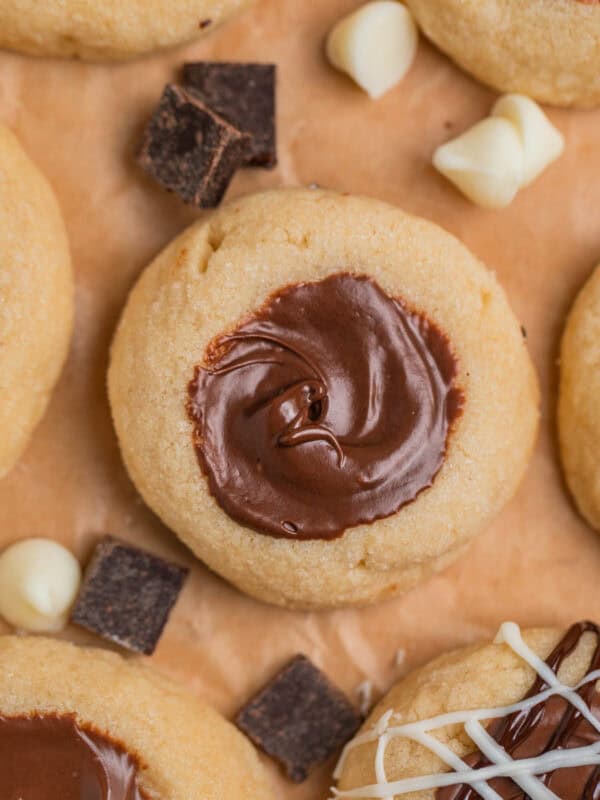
51, 757
327, 408
555, 724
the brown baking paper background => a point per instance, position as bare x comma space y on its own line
538, 563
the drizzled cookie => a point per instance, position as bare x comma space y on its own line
512, 720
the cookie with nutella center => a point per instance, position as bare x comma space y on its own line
36, 297
504, 43
578, 408
113, 29
515, 719
77, 722
324, 397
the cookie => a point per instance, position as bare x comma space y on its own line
88, 723
509, 720
36, 297
578, 408
324, 397
504, 43
114, 29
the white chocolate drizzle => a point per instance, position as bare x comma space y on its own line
522, 772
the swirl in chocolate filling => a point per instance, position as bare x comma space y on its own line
52, 757
327, 408
554, 724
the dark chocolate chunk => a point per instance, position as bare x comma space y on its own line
190, 149
244, 95
127, 595
300, 718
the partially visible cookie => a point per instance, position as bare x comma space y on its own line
36, 297
324, 397
549, 51
490, 721
579, 400
112, 29
90, 724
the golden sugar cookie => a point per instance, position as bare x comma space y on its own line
36, 297
87, 723
324, 397
112, 29
496, 720
578, 406
549, 51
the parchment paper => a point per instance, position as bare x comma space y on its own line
538, 563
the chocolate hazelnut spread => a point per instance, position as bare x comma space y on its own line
50, 757
327, 408
553, 724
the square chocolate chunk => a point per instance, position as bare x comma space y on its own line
300, 718
244, 95
127, 595
190, 149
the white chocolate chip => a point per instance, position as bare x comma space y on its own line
39, 581
486, 163
542, 142
375, 45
